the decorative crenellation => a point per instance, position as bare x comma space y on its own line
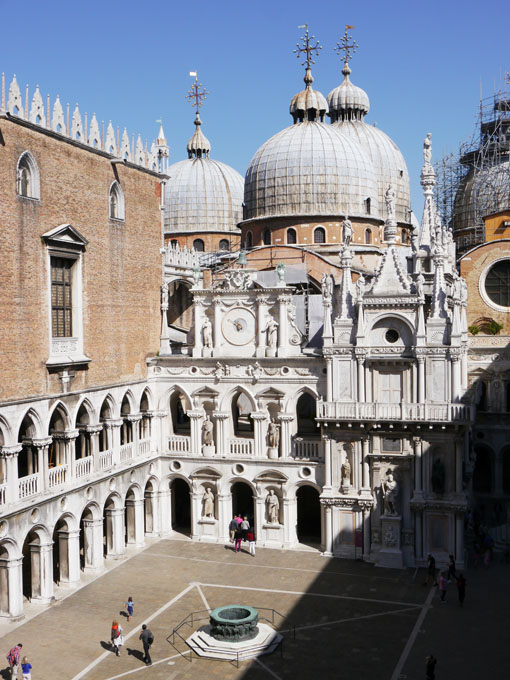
181, 257
78, 129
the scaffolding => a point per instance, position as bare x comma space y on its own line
475, 182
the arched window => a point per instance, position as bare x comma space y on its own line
319, 235
405, 237
224, 244
291, 236
267, 238
116, 201
368, 236
249, 240
305, 415
174, 242
199, 245
368, 206
27, 177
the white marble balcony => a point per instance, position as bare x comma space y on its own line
179, 444
306, 449
240, 446
443, 412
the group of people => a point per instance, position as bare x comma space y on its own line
445, 578
117, 637
241, 530
14, 658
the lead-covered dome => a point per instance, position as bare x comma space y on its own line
481, 193
202, 194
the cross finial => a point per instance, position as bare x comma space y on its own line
307, 48
348, 48
197, 93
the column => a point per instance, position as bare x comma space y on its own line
135, 521
163, 343
326, 442
365, 464
93, 544
356, 464
289, 521
366, 533
196, 512
328, 539
421, 379
329, 379
224, 517
260, 512
165, 511
361, 378
222, 443
195, 417
135, 419
115, 546
261, 336
151, 513
283, 319
459, 537
69, 555
113, 425
11, 588
41, 563
42, 446
285, 420
417, 466
9, 455
259, 444
94, 432
70, 451
159, 434
455, 378
418, 534
217, 322
458, 469
197, 308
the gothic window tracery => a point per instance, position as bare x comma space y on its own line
117, 210
27, 177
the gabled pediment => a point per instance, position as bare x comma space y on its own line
65, 236
271, 394
271, 476
205, 393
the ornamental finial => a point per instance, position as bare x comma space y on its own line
197, 94
307, 48
348, 46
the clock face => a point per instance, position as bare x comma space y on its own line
238, 326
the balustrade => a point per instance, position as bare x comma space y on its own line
28, 486
309, 449
106, 460
3, 494
241, 447
83, 466
144, 447
126, 452
57, 476
438, 412
179, 444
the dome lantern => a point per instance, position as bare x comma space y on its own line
347, 101
308, 105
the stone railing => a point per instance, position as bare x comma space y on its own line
3, 494
83, 466
28, 486
144, 447
181, 257
439, 412
309, 449
126, 452
57, 476
106, 460
179, 444
241, 447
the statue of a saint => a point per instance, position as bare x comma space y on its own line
346, 472
272, 333
420, 280
390, 492
389, 198
360, 287
427, 148
414, 241
207, 432
347, 231
207, 333
273, 507
280, 270
197, 275
164, 294
208, 501
327, 286
438, 476
273, 434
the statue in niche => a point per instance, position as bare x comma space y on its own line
207, 333
273, 434
389, 198
427, 148
346, 472
208, 501
273, 507
419, 283
272, 333
347, 231
207, 432
280, 270
327, 286
438, 476
389, 489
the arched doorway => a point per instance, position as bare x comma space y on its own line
181, 507
113, 527
483, 470
242, 501
308, 516
37, 570
305, 415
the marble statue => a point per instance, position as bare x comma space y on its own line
327, 286
438, 476
346, 472
273, 434
414, 241
360, 287
427, 148
389, 198
272, 333
280, 270
420, 280
273, 506
207, 333
207, 432
197, 275
390, 492
347, 231
164, 294
208, 501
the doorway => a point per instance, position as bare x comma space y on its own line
181, 507
242, 501
308, 516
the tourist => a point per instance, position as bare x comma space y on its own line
13, 659
452, 574
238, 538
431, 570
245, 525
251, 541
430, 667
232, 527
130, 606
26, 668
443, 584
116, 637
461, 589
239, 519
147, 639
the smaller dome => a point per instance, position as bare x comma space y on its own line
198, 146
309, 104
481, 194
348, 101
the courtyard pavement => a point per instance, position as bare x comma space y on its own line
352, 620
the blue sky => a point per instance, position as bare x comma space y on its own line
421, 65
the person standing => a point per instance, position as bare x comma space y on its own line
431, 570
461, 589
443, 584
13, 659
232, 527
147, 639
26, 668
238, 538
452, 574
116, 637
430, 667
251, 541
245, 525
130, 605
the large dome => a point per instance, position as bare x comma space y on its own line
480, 194
311, 169
202, 194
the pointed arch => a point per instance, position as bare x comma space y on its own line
127, 405
28, 181
165, 398
146, 400
108, 407
5, 432
136, 490
85, 413
235, 392
291, 402
59, 418
116, 202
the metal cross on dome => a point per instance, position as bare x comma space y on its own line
197, 93
307, 48
343, 45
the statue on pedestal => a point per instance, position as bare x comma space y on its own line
164, 294
280, 270
360, 287
427, 149
345, 469
420, 280
273, 434
207, 432
327, 286
208, 501
389, 198
207, 333
272, 333
389, 489
273, 507
347, 231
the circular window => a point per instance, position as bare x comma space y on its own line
238, 469
285, 370
391, 335
305, 472
497, 283
175, 466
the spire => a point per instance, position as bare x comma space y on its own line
309, 104
345, 298
162, 149
347, 101
198, 146
428, 182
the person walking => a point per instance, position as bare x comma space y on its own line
238, 538
130, 607
452, 574
245, 525
251, 541
461, 589
26, 668
147, 639
13, 659
443, 585
116, 637
431, 570
430, 667
232, 527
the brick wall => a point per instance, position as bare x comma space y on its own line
121, 264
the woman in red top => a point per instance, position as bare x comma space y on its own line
251, 538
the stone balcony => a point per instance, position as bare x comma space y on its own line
244, 447
438, 412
